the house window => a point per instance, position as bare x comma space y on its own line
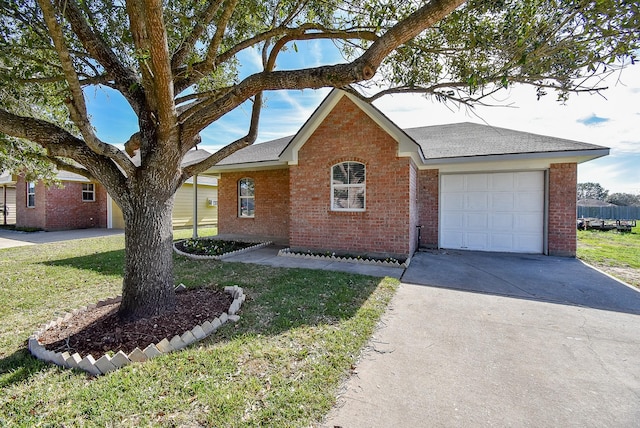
88, 192
31, 194
246, 198
348, 186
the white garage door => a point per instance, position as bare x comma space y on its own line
493, 212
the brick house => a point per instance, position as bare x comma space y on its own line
351, 181
79, 203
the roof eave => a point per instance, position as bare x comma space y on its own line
578, 156
247, 166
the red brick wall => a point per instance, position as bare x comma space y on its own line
61, 208
562, 209
271, 205
65, 208
348, 134
414, 210
30, 217
428, 186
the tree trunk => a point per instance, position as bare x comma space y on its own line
148, 287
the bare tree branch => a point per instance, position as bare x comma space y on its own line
362, 68
212, 50
202, 20
60, 143
66, 166
125, 80
160, 62
76, 103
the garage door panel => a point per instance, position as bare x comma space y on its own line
453, 182
502, 182
477, 182
455, 220
529, 201
527, 180
502, 201
453, 202
453, 240
502, 242
493, 212
502, 220
475, 221
476, 201
478, 240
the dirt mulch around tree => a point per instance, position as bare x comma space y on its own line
100, 330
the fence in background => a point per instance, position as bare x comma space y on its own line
610, 213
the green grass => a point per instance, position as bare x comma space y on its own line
613, 252
299, 334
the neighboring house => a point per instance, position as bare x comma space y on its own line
351, 181
7, 198
79, 203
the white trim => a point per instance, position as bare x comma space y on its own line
28, 193
92, 192
348, 186
109, 212
246, 197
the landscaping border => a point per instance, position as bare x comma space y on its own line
286, 252
106, 364
221, 256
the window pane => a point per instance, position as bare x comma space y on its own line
340, 197
247, 208
340, 174
356, 197
246, 187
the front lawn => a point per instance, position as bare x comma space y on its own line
615, 253
299, 335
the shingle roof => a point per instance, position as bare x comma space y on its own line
262, 152
457, 140
470, 139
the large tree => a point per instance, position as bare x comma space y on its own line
176, 64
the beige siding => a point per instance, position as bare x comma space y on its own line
183, 206
10, 203
117, 219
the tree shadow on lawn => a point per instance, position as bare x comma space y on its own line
278, 300
106, 263
19, 366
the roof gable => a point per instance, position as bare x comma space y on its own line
406, 146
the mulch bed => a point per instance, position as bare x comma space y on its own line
211, 247
100, 330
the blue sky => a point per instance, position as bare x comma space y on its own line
611, 119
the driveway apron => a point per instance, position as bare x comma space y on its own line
444, 356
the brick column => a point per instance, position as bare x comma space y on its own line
428, 185
562, 209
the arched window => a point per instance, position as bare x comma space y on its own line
348, 186
246, 198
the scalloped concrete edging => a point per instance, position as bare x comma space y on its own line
106, 364
222, 256
286, 252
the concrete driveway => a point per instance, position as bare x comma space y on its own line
12, 238
499, 342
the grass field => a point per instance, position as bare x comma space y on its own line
299, 334
615, 253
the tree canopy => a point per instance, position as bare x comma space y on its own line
624, 199
592, 191
176, 64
